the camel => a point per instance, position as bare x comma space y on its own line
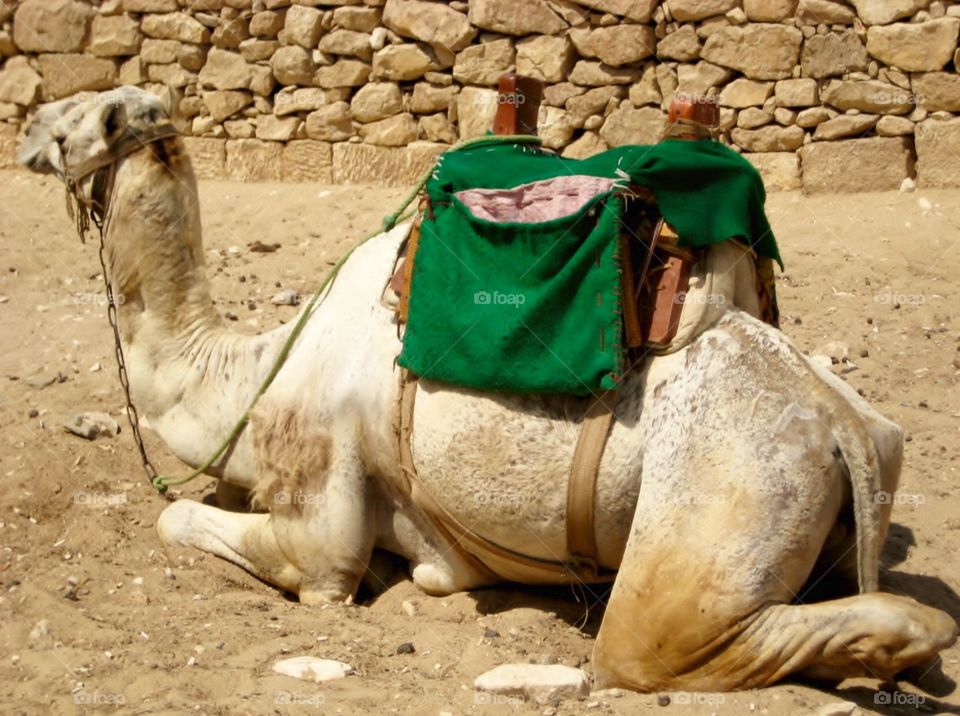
735, 472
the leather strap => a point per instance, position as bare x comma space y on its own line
126, 145
582, 487
490, 559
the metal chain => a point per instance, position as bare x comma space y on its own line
132, 416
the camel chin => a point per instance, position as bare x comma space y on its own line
729, 466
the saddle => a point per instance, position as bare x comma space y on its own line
668, 292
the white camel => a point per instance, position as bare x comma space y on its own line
735, 468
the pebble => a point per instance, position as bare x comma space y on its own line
310, 668
168, 573
406, 648
258, 247
91, 425
44, 379
40, 631
409, 608
663, 700
33, 413
491, 634
907, 185
536, 682
287, 297
840, 708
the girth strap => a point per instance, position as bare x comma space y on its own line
490, 559
582, 488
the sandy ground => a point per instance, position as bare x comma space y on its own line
878, 272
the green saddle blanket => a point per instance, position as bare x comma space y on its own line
516, 286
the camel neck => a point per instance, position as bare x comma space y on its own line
190, 375
154, 249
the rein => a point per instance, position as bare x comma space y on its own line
98, 212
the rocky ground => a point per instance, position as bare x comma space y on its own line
97, 616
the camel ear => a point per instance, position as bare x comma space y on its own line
170, 98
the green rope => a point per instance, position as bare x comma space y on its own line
162, 482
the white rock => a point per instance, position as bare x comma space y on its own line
834, 350
92, 425
543, 684
907, 185
822, 361
310, 668
841, 708
287, 297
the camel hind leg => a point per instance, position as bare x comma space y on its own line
725, 535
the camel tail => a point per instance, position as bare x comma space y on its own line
863, 468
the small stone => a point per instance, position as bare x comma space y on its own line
841, 708
92, 425
287, 297
663, 699
406, 648
544, 684
491, 634
311, 668
408, 608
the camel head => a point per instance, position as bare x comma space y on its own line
119, 154
70, 133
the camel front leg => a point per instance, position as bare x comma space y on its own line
325, 529
247, 540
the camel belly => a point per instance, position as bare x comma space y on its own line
500, 466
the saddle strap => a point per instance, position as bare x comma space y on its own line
490, 559
582, 488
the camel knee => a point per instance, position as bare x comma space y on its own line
176, 525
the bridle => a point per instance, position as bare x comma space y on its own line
104, 166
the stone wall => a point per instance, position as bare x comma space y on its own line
827, 95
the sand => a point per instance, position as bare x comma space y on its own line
148, 630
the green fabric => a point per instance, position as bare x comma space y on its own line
706, 191
536, 308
